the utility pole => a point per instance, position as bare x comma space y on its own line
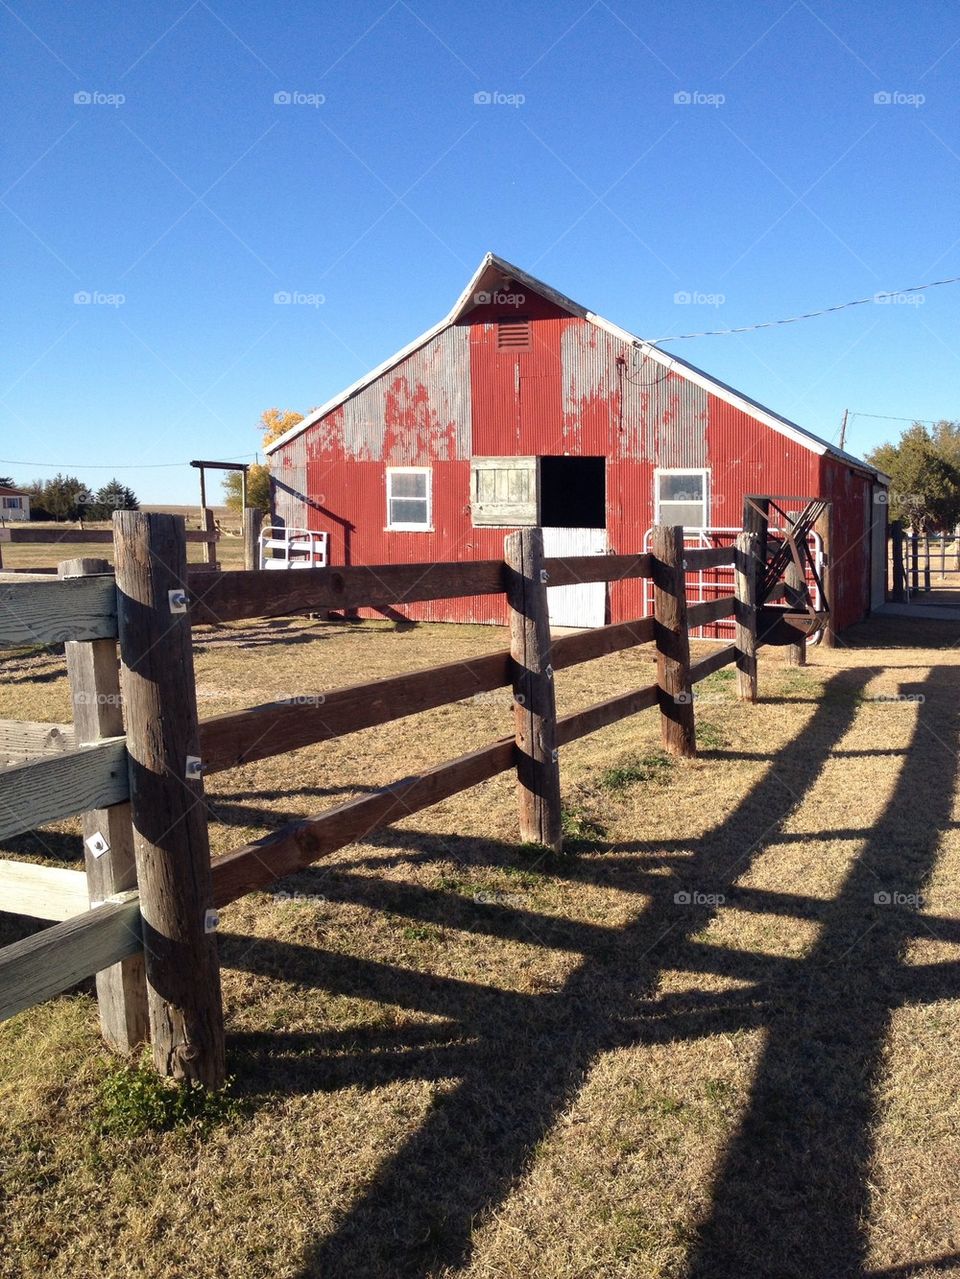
843, 428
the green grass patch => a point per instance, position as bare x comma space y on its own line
135, 1100
709, 736
645, 768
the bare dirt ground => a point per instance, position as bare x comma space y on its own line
717, 1038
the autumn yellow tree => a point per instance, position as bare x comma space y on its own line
273, 424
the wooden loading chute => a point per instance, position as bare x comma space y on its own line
798, 617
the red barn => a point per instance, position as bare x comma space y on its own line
523, 407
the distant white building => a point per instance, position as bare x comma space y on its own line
14, 504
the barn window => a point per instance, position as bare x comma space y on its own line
503, 491
513, 334
682, 497
409, 498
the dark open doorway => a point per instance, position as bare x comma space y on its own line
573, 492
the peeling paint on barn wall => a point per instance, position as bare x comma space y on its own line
417, 411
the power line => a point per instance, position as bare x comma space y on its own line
808, 315
886, 417
108, 466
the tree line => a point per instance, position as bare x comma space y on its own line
66, 497
924, 470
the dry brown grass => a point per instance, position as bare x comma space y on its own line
462, 1057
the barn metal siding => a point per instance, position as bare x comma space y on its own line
851, 493
417, 411
578, 390
289, 482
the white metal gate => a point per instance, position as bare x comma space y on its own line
585, 603
284, 547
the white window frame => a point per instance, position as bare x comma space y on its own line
703, 471
410, 528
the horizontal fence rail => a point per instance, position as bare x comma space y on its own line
52, 961
45, 790
81, 608
42, 892
22, 738
81, 536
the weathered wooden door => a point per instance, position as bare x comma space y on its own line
584, 604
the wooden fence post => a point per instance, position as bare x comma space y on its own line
897, 592
166, 796
914, 562
926, 561
535, 709
94, 675
672, 637
745, 612
252, 522
209, 526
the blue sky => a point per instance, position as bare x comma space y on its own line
181, 197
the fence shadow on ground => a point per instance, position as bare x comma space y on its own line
519, 1060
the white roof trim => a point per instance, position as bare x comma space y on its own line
798, 434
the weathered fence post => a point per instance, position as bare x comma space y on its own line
166, 796
926, 561
252, 522
209, 547
672, 637
897, 592
535, 709
94, 675
745, 612
914, 562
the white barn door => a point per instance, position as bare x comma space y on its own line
584, 604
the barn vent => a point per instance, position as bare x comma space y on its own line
513, 334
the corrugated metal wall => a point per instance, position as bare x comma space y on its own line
577, 390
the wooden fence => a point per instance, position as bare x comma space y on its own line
917, 558
136, 771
